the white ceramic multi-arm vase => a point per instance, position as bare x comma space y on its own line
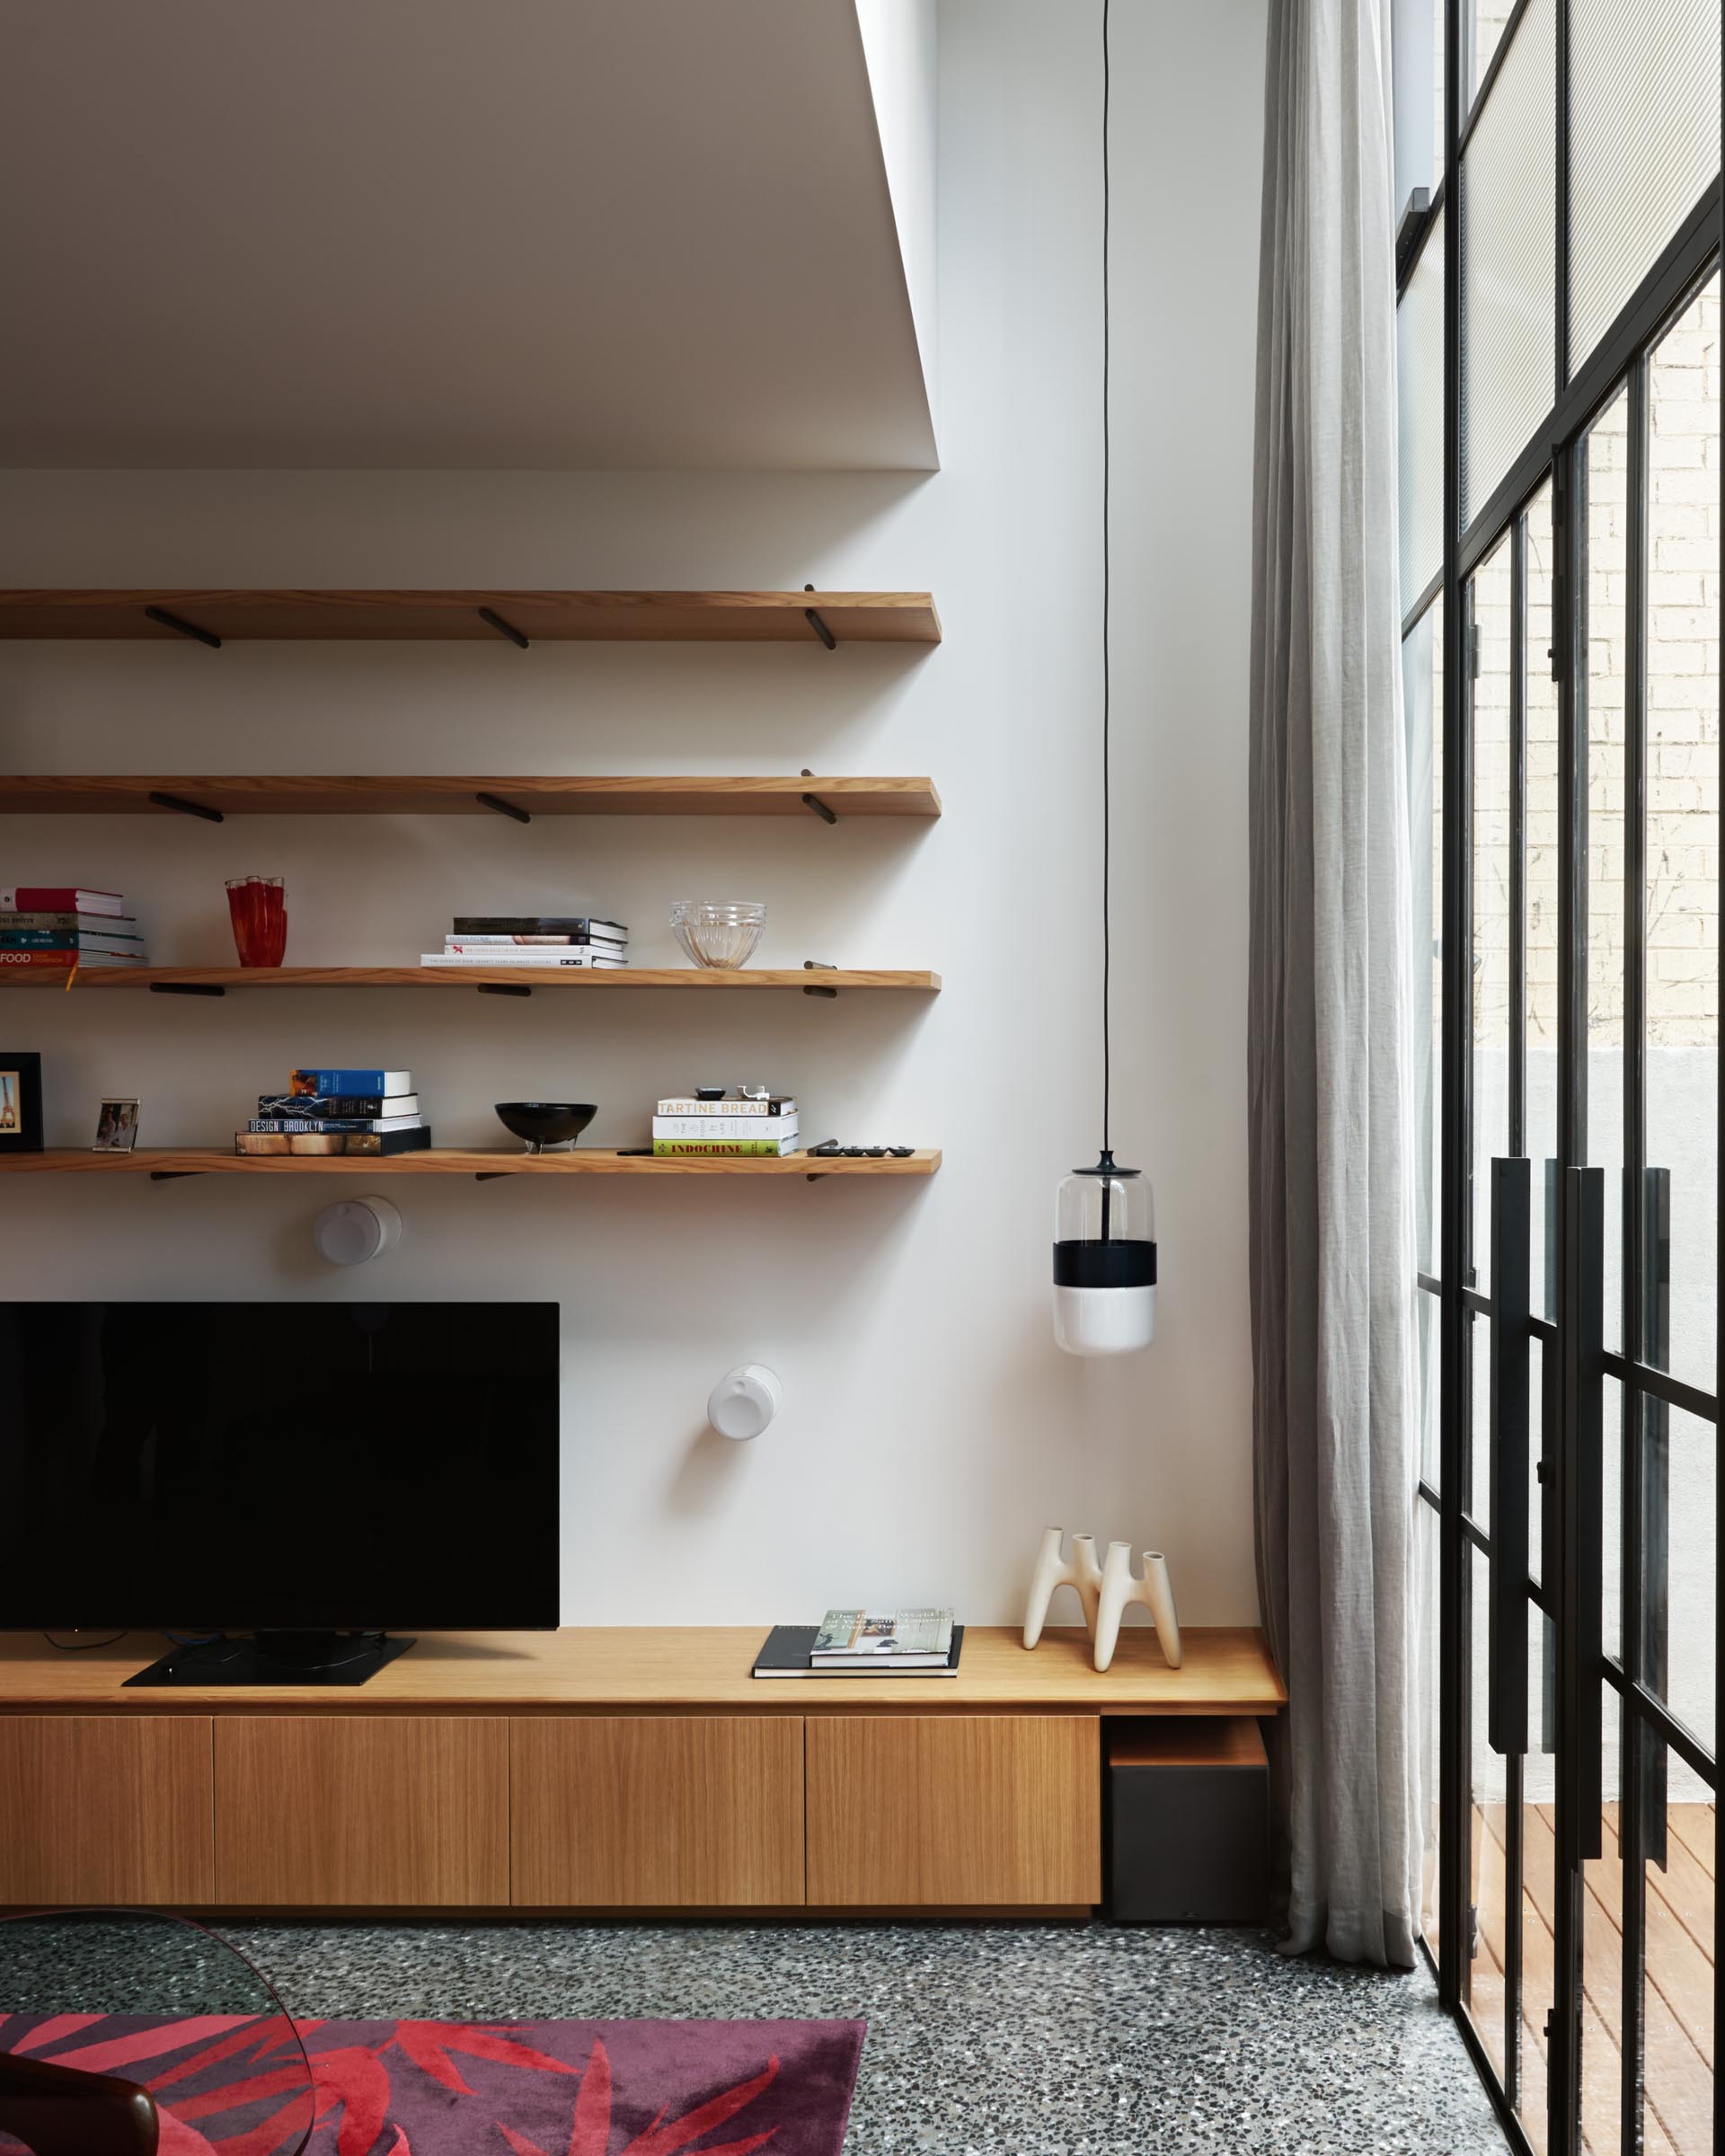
1155, 1591
1080, 1572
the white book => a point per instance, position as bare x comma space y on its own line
704, 1130
780, 1104
541, 960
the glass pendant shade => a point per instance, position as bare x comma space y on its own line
1104, 1260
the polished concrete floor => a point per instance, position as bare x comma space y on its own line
983, 2039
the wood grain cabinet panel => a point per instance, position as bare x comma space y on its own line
649, 1811
356, 1810
954, 1810
104, 1808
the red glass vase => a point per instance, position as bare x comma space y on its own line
258, 909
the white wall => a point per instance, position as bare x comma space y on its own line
930, 1427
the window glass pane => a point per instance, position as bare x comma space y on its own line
1420, 392
1429, 1319
1683, 840
1488, 1831
1426, 1542
1490, 593
1679, 2079
1439, 124
1643, 143
1422, 684
1508, 244
1605, 624
1602, 1959
1680, 1576
1538, 1889
1544, 815
1485, 22
1422, 705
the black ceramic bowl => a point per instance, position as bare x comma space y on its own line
541, 1123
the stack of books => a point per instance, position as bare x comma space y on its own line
324, 1112
558, 940
57, 928
865, 1643
763, 1125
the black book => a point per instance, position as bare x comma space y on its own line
788, 1646
362, 1107
539, 924
389, 1141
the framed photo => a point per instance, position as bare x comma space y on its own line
116, 1127
21, 1103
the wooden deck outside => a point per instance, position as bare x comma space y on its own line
1679, 2072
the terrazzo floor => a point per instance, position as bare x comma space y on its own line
983, 2039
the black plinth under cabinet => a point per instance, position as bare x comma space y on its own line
1188, 1821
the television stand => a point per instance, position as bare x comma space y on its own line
277, 1658
615, 1770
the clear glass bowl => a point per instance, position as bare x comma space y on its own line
719, 932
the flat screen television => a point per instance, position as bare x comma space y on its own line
294, 1472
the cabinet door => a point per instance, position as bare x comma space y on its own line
353, 1811
657, 1812
104, 1808
954, 1811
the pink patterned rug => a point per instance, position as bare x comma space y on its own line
235, 2085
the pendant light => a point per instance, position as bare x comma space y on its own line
1105, 1248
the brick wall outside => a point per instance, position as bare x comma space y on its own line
1681, 894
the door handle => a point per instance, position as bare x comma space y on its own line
1511, 1348
1584, 1334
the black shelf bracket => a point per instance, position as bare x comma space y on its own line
172, 1175
492, 1175
817, 625
502, 808
503, 628
187, 988
819, 807
503, 988
818, 966
164, 620
196, 808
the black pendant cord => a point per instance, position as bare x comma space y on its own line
1108, 954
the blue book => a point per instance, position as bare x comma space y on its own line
351, 1081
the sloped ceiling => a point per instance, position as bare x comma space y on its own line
611, 233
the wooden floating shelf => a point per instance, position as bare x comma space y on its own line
215, 1159
77, 795
725, 617
205, 978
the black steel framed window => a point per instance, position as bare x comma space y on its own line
1561, 567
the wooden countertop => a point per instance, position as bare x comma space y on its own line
639, 1668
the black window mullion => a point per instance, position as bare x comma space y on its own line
1635, 1813
1454, 1706
1517, 1134
1568, 603
1561, 281
1514, 1756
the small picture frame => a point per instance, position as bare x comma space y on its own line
116, 1127
21, 1101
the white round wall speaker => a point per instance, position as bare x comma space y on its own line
357, 1230
745, 1400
